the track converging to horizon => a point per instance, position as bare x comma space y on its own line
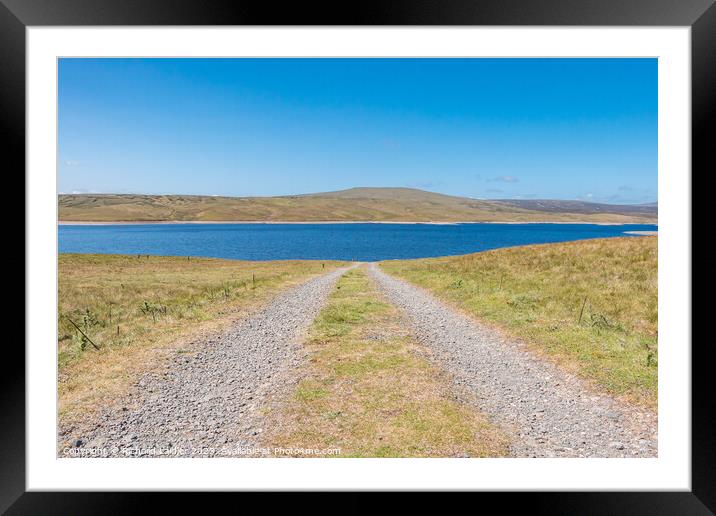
210, 401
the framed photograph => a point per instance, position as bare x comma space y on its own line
425, 248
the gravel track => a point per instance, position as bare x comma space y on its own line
547, 411
208, 402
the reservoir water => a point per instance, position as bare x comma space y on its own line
355, 241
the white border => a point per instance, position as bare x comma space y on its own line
670, 471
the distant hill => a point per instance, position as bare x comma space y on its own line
557, 206
354, 204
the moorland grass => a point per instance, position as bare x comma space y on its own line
590, 304
369, 392
361, 204
133, 307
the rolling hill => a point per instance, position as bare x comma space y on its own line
354, 204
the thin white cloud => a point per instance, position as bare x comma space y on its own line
424, 184
506, 179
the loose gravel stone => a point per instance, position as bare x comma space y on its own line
549, 412
208, 402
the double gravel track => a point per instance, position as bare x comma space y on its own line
208, 401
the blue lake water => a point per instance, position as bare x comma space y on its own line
362, 242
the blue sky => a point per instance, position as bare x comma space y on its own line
485, 128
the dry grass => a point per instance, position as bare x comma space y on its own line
362, 204
590, 304
136, 309
369, 392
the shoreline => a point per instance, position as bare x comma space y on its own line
435, 223
642, 233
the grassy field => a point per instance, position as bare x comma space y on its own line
355, 204
591, 305
134, 309
369, 392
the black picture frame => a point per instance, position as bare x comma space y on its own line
700, 15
